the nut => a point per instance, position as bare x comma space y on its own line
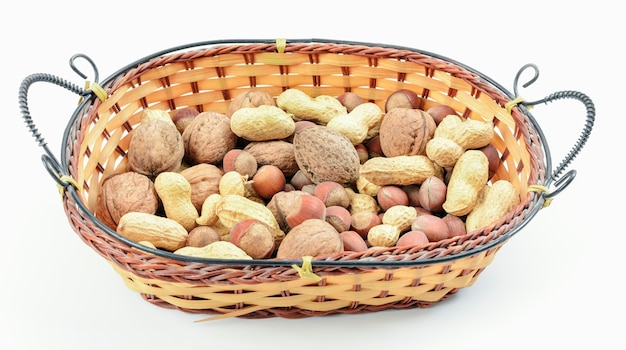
323, 154
305, 207
252, 98
456, 225
350, 100
207, 138
432, 194
268, 181
494, 202
183, 117
313, 237
438, 112
262, 123
339, 217
412, 238
402, 98
405, 131
240, 161
162, 232
204, 180
353, 242
175, 194
468, 177
400, 216
279, 153
123, 193
383, 235
215, 250
399, 170
253, 237
148, 160
202, 236
391, 195
433, 226
319, 109
332, 193
363, 221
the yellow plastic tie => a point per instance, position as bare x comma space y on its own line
540, 188
99, 91
69, 179
509, 105
281, 43
96, 89
306, 271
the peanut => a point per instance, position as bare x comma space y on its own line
175, 193
208, 214
356, 124
215, 250
453, 136
468, 177
383, 235
262, 123
492, 204
320, 109
233, 182
162, 232
399, 170
233, 208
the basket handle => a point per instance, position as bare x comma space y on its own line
564, 181
49, 160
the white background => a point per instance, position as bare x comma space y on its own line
555, 284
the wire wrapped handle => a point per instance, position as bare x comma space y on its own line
584, 135
50, 161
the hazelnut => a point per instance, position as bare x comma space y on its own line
402, 98
268, 181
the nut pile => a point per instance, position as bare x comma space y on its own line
297, 175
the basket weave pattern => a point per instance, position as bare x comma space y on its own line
207, 79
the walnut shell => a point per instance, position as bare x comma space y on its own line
250, 99
204, 180
324, 154
207, 138
276, 152
123, 193
155, 146
313, 237
405, 132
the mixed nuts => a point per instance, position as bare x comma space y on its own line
296, 175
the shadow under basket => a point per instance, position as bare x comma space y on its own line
207, 76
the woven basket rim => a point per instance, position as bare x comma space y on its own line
391, 256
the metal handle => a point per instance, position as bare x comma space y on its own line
49, 160
591, 112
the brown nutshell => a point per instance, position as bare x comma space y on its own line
155, 146
405, 131
123, 193
324, 154
207, 138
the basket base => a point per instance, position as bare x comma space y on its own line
292, 296
297, 313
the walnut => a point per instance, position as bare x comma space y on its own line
324, 154
276, 152
405, 132
207, 138
155, 146
250, 99
123, 193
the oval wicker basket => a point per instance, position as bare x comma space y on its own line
206, 76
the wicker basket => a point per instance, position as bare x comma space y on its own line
207, 76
